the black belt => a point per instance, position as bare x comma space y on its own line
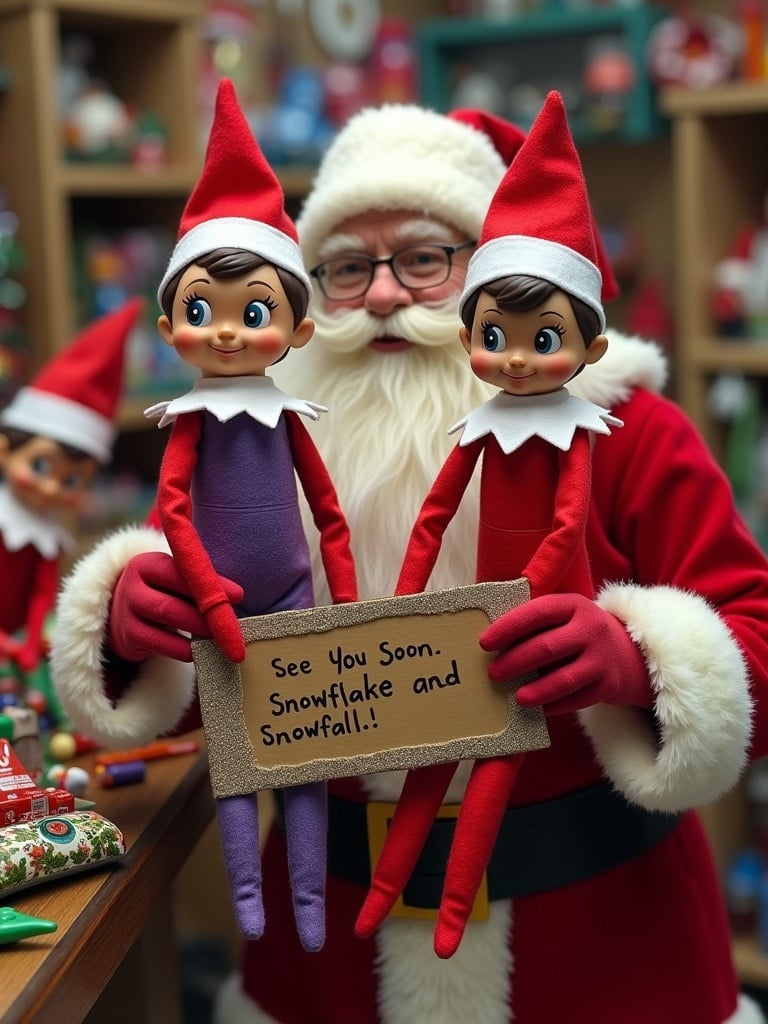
540, 846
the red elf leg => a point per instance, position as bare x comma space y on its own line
420, 800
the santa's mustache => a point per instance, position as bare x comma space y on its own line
350, 330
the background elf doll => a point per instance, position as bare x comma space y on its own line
55, 434
533, 318
235, 296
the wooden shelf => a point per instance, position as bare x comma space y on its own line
84, 179
751, 961
730, 97
714, 355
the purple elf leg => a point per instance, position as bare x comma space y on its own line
239, 833
306, 825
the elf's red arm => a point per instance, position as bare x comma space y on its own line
175, 508
326, 512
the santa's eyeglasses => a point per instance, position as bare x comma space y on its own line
414, 267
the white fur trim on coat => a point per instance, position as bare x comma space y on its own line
157, 698
416, 985
702, 705
747, 1012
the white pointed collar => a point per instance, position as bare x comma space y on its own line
20, 526
514, 419
225, 397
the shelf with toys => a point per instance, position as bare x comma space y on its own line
720, 181
99, 126
594, 56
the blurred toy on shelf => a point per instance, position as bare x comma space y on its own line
608, 79
649, 313
345, 30
12, 298
111, 265
295, 131
739, 283
96, 124
346, 91
751, 17
392, 63
693, 49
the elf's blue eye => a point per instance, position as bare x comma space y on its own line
493, 338
199, 313
547, 341
256, 315
41, 466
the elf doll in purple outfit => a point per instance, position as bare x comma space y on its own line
234, 297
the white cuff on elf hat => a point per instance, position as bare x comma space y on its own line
535, 257
694, 747
236, 233
74, 397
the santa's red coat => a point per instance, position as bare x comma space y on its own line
644, 941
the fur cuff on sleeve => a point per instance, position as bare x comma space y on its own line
696, 748
157, 698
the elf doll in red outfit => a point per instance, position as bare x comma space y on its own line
235, 296
533, 318
54, 436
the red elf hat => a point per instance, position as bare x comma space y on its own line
238, 202
74, 397
539, 222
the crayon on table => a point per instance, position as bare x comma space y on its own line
124, 774
150, 752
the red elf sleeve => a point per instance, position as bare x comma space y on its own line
324, 504
438, 509
558, 555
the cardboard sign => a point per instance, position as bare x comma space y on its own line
350, 689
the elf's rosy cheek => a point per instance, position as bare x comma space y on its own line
558, 366
271, 343
22, 476
185, 338
482, 361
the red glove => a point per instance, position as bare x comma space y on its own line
151, 603
581, 654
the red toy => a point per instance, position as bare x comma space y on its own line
533, 318
54, 436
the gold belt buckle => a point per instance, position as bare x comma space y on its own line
379, 815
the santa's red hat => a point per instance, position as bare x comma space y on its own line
73, 399
238, 202
539, 222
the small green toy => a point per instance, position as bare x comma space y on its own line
14, 925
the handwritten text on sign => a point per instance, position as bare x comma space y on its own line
358, 688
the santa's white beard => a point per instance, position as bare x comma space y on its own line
385, 436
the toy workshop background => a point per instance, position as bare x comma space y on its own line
669, 107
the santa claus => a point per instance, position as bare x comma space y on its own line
603, 902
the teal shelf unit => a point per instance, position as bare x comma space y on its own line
544, 49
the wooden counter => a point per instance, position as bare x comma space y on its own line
114, 916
